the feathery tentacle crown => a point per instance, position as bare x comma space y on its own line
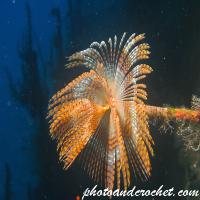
101, 113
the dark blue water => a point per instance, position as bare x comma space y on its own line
172, 30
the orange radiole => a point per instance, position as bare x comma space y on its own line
101, 112
101, 115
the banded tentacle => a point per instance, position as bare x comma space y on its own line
101, 114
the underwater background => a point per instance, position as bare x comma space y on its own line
36, 36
